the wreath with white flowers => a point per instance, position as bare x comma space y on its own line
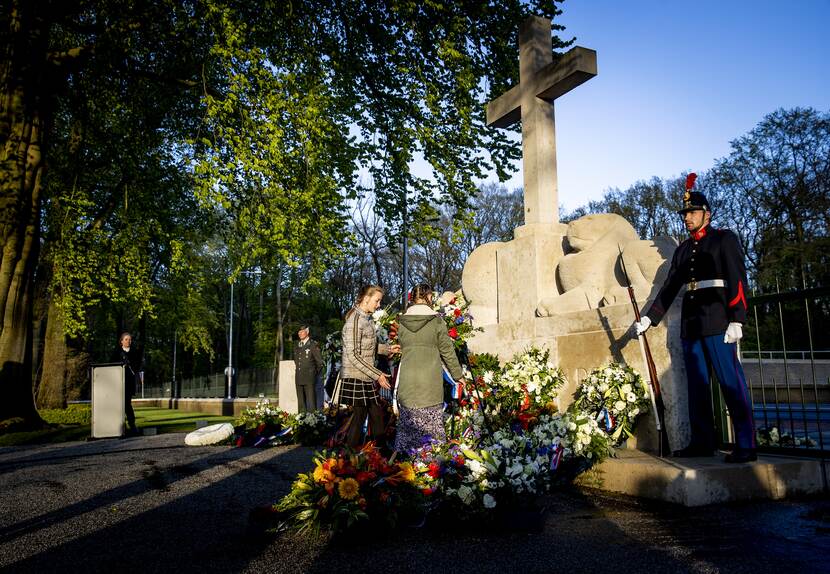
311, 428
615, 395
531, 379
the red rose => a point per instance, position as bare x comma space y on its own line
427, 491
453, 333
434, 470
457, 313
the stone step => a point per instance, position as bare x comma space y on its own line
707, 480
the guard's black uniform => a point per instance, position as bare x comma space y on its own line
708, 254
133, 361
711, 264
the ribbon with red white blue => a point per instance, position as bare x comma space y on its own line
606, 420
556, 457
457, 389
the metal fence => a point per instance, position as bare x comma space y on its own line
786, 358
249, 383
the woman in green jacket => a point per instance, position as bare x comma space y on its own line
425, 344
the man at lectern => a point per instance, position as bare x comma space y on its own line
133, 360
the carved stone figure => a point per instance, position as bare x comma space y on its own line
589, 275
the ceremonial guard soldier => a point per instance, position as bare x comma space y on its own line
308, 365
710, 264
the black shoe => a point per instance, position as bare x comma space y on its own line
693, 451
741, 455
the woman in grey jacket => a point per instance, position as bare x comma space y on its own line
359, 376
425, 344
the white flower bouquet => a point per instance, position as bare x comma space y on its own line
263, 413
311, 428
614, 396
530, 380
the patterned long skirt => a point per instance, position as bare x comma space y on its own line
417, 426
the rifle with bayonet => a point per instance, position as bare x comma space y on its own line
653, 381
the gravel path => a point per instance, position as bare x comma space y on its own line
150, 504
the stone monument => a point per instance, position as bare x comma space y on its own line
560, 286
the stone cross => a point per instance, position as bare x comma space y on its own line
531, 101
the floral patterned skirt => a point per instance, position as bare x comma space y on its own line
416, 426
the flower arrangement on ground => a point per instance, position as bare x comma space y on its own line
267, 425
530, 381
347, 487
508, 444
311, 428
262, 425
615, 395
479, 472
263, 413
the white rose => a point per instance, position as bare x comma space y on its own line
476, 468
489, 501
619, 406
625, 389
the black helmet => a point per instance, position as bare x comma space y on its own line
693, 200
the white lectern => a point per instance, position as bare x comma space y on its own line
108, 400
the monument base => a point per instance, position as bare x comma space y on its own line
584, 340
702, 481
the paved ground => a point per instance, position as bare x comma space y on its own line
150, 504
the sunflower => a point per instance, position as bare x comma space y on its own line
348, 489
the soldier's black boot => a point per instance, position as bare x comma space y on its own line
693, 451
741, 455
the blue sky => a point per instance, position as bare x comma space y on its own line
677, 81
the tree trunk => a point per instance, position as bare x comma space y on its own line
65, 365
278, 345
23, 120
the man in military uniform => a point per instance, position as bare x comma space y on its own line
308, 364
711, 266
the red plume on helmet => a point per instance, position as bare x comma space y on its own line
690, 181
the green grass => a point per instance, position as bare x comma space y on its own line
73, 424
167, 420
57, 433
